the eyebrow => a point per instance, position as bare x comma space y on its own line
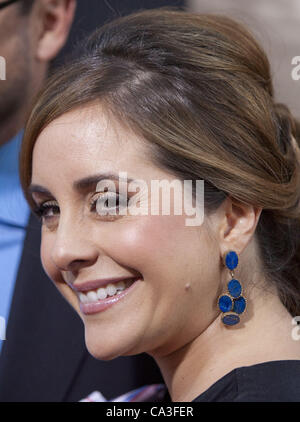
81, 184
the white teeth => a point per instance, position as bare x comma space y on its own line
92, 296
83, 298
111, 290
101, 293
120, 285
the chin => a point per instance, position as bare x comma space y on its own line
98, 353
106, 347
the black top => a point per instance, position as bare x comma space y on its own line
276, 381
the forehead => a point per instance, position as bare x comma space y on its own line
84, 141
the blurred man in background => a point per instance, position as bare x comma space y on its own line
43, 357
31, 34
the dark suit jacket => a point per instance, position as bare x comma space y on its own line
44, 357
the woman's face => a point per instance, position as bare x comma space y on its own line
176, 266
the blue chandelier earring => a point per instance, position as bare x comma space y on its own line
232, 304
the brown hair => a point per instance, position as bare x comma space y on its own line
198, 89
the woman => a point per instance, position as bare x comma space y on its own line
168, 95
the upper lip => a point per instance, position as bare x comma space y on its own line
95, 284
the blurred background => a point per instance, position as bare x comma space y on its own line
90, 14
275, 23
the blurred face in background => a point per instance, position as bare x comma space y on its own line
29, 39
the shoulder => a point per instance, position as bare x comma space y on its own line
266, 382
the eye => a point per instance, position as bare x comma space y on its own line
43, 211
107, 203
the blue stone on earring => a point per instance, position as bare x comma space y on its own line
231, 260
230, 318
225, 303
234, 288
239, 305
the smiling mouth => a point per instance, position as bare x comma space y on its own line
104, 292
106, 296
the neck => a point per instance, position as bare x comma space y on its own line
264, 334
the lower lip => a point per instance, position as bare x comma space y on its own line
103, 304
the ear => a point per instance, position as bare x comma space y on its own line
55, 17
237, 226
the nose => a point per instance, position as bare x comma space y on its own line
73, 247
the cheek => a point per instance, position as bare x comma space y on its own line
143, 241
158, 245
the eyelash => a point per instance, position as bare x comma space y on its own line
41, 210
